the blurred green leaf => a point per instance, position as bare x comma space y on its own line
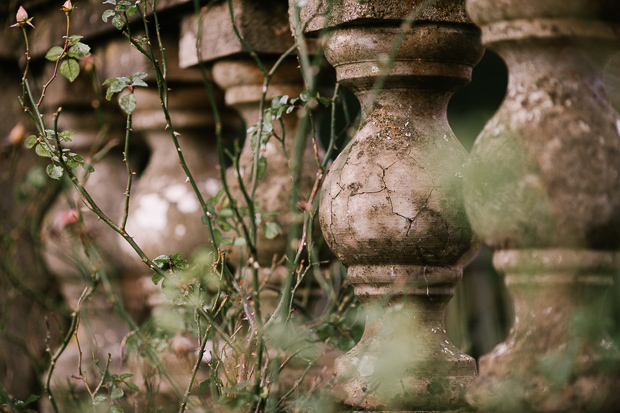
115, 408
128, 103
54, 172
271, 229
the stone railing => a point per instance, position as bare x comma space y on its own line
404, 206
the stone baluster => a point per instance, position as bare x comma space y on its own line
101, 329
165, 214
264, 25
391, 206
542, 188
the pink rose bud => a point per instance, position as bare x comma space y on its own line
21, 15
67, 6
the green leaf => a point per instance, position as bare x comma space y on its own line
79, 50
239, 242
100, 398
128, 103
271, 229
204, 385
304, 96
290, 109
31, 141
41, 150
107, 14
88, 167
31, 399
110, 2
325, 101
54, 172
70, 69
132, 386
118, 22
117, 393
65, 135
157, 277
227, 241
262, 167
138, 75
223, 224
131, 11
226, 213
217, 235
115, 408
72, 163
54, 53
126, 376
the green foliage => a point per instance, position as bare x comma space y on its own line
47, 146
116, 85
68, 56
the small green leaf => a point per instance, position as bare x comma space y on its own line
217, 235
132, 386
204, 385
107, 14
226, 213
227, 241
304, 96
70, 69
157, 277
118, 22
290, 109
115, 408
54, 172
110, 2
126, 376
128, 103
223, 224
239, 242
262, 167
31, 399
65, 135
100, 398
271, 229
325, 101
31, 141
88, 167
131, 11
41, 150
72, 163
117, 393
138, 75
54, 53
79, 50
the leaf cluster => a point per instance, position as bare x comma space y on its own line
46, 147
70, 55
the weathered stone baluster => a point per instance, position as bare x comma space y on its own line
391, 207
542, 188
101, 329
264, 25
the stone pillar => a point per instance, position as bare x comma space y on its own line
541, 188
264, 26
391, 206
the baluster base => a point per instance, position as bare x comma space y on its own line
558, 356
404, 360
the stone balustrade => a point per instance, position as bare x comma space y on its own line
403, 206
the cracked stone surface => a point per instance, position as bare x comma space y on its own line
391, 210
541, 187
